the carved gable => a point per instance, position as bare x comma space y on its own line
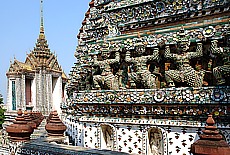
31, 60
53, 64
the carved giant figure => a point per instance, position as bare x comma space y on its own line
185, 72
142, 74
107, 78
221, 71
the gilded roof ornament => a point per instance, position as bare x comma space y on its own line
41, 35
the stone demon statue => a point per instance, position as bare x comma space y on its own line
107, 78
142, 74
185, 72
221, 72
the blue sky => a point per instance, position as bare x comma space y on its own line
19, 29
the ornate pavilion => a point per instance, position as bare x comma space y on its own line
38, 83
147, 75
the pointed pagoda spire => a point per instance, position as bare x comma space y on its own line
41, 50
42, 34
41, 7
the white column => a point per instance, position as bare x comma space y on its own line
39, 81
9, 94
49, 93
37, 96
33, 93
18, 93
23, 92
57, 94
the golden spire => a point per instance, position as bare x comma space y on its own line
41, 13
41, 36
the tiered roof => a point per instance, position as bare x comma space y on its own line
40, 57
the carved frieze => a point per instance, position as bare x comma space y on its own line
205, 95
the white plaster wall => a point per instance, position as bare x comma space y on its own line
19, 92
179, 142
130, 139
89, 132
33, 93
133, 137
74, 130
43, 92
23, 92
9, 94
67, 124
46, 93
49, 95
18, 87
80, 134
57, 95
65, 94
38, 80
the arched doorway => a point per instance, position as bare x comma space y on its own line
155, 142
107, 137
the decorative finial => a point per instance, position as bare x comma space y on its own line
41, 36
20, 112
55, 127
19, 131
210, 141
41, 7
210, 121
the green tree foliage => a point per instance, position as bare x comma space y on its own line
1, 99
2, 116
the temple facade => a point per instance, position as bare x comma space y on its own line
147, 75
38, 83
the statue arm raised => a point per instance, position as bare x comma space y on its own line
198, 53
169, 55
95, 61
214, 49
128, 58
154, 56
116, 60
